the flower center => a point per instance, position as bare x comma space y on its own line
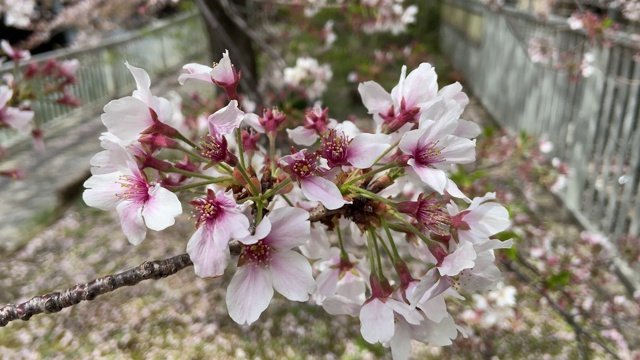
214, 149
428, 155
134, 188
334, 148
258, 254
206, 209
305, 167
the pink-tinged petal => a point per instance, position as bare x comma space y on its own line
231, 225
454, 92
376, 322
462, 258
420, 86
19, 119
249, 293
402, 308
290, 227
209, 259
291, 275
440, 334
438, 130
317, 246
163, 108
434, 178
126, 118
226, 120
348, 128
401, 341
161, 209
262, 230
411, 140
101, 191
492, 245
467, 129
340, 305
397, 92
491, 218
458, 150
453, 190
143, 83
374, 97
131, 221
424, 286
253, 120
303, 136
366, 148
195, 71
316, 188
5, 95
223, 72
327, 283
435, 308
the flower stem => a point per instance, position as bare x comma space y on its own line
192, 153
203, 183
396, 255
242, 168
371, 173
370, 195
190, 173
179, 136
273, 191
343, 251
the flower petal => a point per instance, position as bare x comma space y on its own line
316, 188
290, 227
131, 221
161, 209
364, 149
291, 275
195, 71
249, 294
376, 322
101, 191
209, 259
303, 136
126, 118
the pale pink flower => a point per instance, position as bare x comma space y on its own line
341, 276
267, 263
139, 203
316, 124
128, 117
482, 219
432, 149
196, 71
14, 54
219, 219
303, 168
361, 151
11, 116
223, 122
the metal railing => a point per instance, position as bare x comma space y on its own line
159, 48
593, 123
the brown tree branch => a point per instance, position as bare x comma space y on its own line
56, 301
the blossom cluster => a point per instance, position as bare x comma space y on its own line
365, 223
45, 82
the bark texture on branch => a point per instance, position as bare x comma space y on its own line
54, 302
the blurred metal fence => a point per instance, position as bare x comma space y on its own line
593, 123
160, 48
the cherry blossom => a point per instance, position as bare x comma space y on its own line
267, 263
219, 219
139, 203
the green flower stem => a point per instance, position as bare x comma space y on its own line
194, 174
396, 255
377, 250
286, 199
371, 173
192, 153
179, 136
370, 195
242, 168
372, 260
272, 151
411, 228
203, 183
384, 245
275, 190
343, 251
225, 168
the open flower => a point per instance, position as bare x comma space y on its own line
139, 203
219, 219
267, 263
432, 149
303, 167
13, 117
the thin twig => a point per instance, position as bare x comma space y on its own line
56, 301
